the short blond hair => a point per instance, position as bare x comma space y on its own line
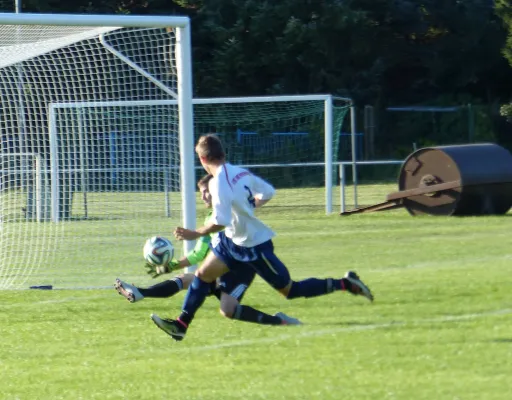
210, 147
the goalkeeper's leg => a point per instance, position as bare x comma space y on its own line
163, 289
169, 287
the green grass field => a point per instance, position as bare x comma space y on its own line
440, 327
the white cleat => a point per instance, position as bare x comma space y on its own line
287, 320
129, 292
358, 287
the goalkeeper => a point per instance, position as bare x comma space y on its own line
229, 288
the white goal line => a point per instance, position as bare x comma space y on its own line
324, 332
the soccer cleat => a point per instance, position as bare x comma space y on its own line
287, 320
129, 292
358, 287
173, 328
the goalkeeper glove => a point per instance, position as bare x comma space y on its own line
157, 270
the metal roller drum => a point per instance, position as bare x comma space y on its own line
471, 179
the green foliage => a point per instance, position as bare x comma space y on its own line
139, 7
370, 50
504, 10
262, 47
506, 111
376, 51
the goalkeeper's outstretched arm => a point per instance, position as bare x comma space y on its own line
198, 253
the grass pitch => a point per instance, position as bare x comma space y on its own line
440, 327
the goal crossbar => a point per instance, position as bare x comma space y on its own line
133, 21
205, 100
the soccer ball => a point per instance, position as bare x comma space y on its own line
158, 250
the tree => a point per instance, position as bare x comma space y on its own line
248, 47
372, 50
139, 7
504, 10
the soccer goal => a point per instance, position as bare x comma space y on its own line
107, 156
98, 131
82, 188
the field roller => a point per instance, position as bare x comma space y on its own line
462, 180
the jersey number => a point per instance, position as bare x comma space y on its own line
250, 197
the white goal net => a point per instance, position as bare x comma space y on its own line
82, 188
288, 140
97, 146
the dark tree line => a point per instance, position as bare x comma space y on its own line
379, 52
504, 10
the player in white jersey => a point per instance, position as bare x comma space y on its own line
243, 241
235, 192
230, 288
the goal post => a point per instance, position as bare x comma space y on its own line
48, 59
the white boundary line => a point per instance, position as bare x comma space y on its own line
323, 332
305, 334
55, 301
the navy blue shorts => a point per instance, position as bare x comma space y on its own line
259, 259
234, 283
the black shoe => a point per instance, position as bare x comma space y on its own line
173, 328
358, 287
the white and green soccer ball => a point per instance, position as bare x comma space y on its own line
158, 251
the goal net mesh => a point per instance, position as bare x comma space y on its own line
89, 137
282, 141
109, 175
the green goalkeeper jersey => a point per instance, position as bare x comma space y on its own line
201, 248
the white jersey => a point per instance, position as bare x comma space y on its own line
233, 191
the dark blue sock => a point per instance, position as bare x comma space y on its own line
197, 292
311, 287
163, 289
249, 314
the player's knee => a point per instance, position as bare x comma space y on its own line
287, 291
186, 280
203, 275
209, 273
227, 311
